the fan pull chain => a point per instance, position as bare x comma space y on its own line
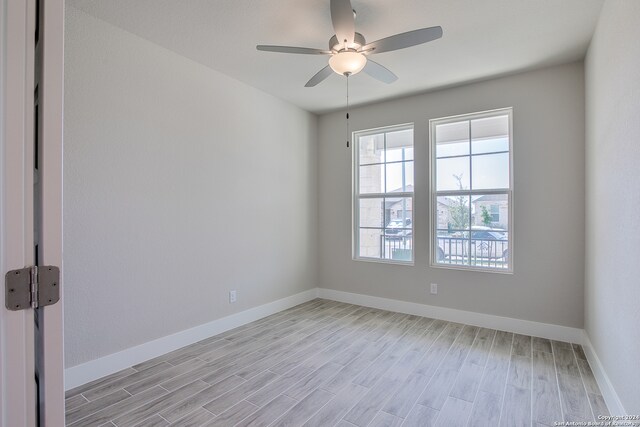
347, 110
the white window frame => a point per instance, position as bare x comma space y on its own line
433, 222
356, 196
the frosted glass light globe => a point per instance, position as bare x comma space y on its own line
347, 62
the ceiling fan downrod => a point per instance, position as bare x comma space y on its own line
347, 76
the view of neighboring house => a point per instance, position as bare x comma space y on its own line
444, 212
496, 206
398, 208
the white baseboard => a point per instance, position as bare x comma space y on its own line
525, 327
606, 388
98, 368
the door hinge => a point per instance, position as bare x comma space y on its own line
31, 287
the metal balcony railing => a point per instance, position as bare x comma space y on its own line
463, 251
397, 246
487, 253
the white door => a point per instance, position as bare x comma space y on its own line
31, 77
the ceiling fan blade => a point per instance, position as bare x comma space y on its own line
320, 76
291, 49
379, 72
408, 39
343, 20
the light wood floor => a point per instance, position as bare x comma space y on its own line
326, 363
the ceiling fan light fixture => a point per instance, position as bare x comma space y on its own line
347, 62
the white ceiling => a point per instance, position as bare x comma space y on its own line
482, 38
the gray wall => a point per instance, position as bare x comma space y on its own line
179, 184
612, 316
547, 284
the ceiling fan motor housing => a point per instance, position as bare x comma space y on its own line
358, 42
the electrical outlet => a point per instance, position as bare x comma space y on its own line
434, 289
233, 296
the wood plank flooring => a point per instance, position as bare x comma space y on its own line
325, 363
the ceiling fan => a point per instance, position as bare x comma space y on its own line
349, 52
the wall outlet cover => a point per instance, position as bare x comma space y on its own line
233, 296
434, 288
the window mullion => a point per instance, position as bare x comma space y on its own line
384, 200
482, 192
379, 195
458, 156
470, 187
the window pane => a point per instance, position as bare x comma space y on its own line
487, 247
400, 145
371, 179
453, 174
492, 145
490, 171
398, 248
452, 248
452, 139
371, 243
489, 135
452, 149
490, 212
398, 240
490, 231
452, 213
452, 237
399, 177
371, 149
371, 213
399, 215
399, 154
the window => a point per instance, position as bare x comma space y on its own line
495, 213
471, 191
383, 194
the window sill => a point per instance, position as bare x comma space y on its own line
385, 261
470, 268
